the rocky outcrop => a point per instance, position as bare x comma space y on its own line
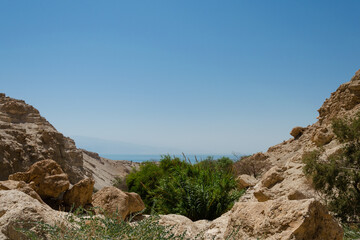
111, 200
279, 219
46, 177
80, 194
26, 137
20, 186
344, 101
19, 211
245, 181
322, 136
104, 171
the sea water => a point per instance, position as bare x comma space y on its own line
157, 157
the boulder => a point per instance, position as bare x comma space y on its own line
283, 219
111, 200
19, 211
272, 177
321, 137
245, 181
296, 132
46, 177
80, 194
20, 186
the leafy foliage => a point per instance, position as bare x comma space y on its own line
203, 190
338, 175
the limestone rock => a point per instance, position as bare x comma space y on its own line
19, 210
245, 181
272, 177
298, 219
80, 194
20, 186
104, 171
206, 229
356, 77
46, 177
135, 202
111, 200
262, 195
296, 132
26, 137
322, 136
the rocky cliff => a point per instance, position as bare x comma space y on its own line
26, 137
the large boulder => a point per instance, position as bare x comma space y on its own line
80, 194
20, 186
111, 200
19, 211
283, 219
245, 181
322, 136
46, 177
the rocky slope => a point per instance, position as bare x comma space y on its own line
39, 194
282, 203
26, 137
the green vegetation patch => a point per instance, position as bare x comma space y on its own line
204, 190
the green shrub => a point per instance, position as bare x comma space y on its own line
197, 191
203, 190
145, 181
338, 175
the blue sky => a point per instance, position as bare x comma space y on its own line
192, 76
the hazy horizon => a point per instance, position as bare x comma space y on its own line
188, 76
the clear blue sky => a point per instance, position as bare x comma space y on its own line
195, 76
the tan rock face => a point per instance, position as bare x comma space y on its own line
19, 210
245, 181
80, 194
104, 171
298, 219
20, 186
322, 136
111, 200
45, 177
26, 137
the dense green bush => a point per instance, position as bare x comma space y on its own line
338, 175
203, 190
